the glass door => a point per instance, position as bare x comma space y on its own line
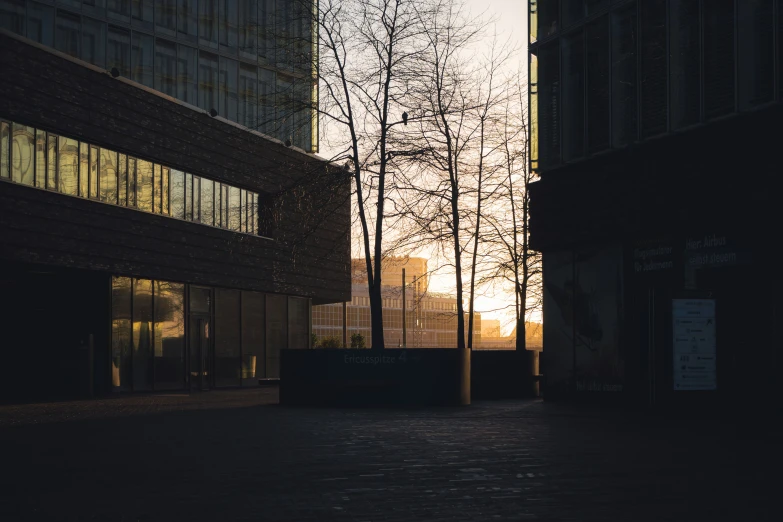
200, 344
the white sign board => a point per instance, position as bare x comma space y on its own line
694, 344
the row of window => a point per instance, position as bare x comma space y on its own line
397, 303
37, 158
275, 104
269, 31
650, 67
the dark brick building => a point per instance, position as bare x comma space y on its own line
146, 243
656, 134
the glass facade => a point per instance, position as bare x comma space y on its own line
34, 157
204, 52
606, 74
150, 349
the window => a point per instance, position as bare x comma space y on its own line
84, 169
142, 54
118, 9
196, 199
208, 81
228, 98
177, 194
208, 23
108, 176
573, 54
573, 11
94, 42
718, 57
548, 16
302, 115
189, 197
118, 50
68, 166
266, 110
624, 41
142, 334
228, 25
285, 105
157, 186
40, 158
164, 186
121, 332
144, 185
166, 17
40, 23
187, 85
253, 329
266, 29
5, 149
653, 67
598, 111
142, 13
207, 202
169, 335
132, 182
233, 209
243, 211
685, 76
12, 16
549, 105
248, 95
67, 33
187, 19
94, 172
122, 179
248, 21
23, 155
227, 337
166, 67
756, 52
51, 162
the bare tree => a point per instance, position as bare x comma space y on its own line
514, 261
367, 48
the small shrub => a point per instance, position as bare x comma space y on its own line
357, 340
330, 342
313, 341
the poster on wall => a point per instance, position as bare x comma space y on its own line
694, 344
582, 316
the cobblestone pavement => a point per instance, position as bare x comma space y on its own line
238, 456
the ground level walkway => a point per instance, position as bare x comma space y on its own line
236, 455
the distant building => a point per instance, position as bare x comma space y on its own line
431, 319
492, 340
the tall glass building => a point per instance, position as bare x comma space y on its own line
252, 61
155, 158
655, 131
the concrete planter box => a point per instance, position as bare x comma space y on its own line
390, 377
401, 377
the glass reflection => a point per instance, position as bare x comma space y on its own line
178, 194
94, 153
131, 181
144, 185
5, 164
253, 362
122, 180
227, 337
234, 208
189, 197
276, 332
157, 183
142, 334
207, 209
69, 166
108, 183
121, 333
51, 175
164, 184
84, 169
40, 158
23, 155
169, 341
